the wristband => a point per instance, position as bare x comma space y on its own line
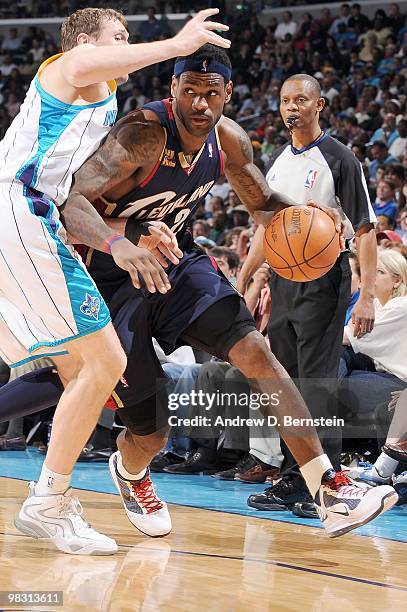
134, 230
111, 240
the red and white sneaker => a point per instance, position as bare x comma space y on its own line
144, 509
343, 506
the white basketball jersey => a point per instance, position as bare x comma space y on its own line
49, 140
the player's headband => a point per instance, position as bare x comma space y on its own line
202, 66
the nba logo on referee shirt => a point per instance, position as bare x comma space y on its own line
310, 180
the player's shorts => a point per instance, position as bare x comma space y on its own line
47, 297
202, 309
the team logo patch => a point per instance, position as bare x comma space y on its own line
311, 178
168, 159
91, 306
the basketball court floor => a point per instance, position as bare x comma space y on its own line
221, 556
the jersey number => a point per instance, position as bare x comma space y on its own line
179, 219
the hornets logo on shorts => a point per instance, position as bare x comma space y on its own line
91, 306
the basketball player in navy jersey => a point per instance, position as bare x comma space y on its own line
155, 166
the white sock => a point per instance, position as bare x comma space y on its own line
125, 474
385, 465
313, 472
51, 483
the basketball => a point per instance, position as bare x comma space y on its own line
301, 243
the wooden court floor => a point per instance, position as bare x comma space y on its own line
212, 562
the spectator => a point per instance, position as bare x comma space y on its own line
398, 145
12, 42
151, 29
343, 18
8, 65
37, 50
401, 228
380, 155
227, 261
287, 26
387, 133
385, 204
201, 228
357, 21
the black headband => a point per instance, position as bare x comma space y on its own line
202, 66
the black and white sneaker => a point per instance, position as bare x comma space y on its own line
343, 506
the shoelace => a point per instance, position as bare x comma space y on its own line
245, 463
71, 508
145, 493
341, 481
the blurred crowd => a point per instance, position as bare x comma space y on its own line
361, 65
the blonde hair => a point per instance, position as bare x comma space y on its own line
87, 21
394, 263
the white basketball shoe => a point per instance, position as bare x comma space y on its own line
147, 512
343, 506
58, 518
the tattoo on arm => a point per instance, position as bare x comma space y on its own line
249, 182
123, 152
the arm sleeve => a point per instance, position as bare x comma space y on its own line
353, 193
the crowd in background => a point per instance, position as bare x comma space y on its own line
361, 65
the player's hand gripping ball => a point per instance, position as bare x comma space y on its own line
301, 243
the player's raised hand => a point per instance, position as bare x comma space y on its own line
197, 32
155, 236
140, 262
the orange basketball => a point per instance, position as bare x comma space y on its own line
301, 243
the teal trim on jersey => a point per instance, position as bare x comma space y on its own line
28, 359
38, 345
64, 105
55, 117
78, 283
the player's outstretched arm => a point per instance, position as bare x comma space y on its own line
245, 177
87, 64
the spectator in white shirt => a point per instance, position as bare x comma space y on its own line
12, 42
328, 90
7, 66
343, 18
287, 26
398, 146
386, 345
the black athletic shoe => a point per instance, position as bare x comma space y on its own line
16, 443
163, 460
245, 463
281, 496
202, 461
90, 454
305, 509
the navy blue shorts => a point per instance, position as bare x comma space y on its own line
202, 309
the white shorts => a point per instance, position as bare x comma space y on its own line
47, 297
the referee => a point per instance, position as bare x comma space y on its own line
307, 319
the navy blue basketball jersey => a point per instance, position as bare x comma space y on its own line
174, 188
172, 191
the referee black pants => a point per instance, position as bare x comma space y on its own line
306, 332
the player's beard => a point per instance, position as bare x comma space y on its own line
195, 131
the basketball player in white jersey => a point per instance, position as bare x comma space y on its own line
48, 303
